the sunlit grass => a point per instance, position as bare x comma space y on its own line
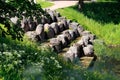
44, 3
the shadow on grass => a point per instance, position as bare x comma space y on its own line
103, 12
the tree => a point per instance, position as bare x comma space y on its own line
80, 4
12, 8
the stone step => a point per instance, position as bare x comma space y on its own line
87, 62
67, 48
47, 42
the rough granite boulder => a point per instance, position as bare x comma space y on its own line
80, 30
63, 39
31, 35
84, 33
14, 20
85, 40
24, 24
68, 35
88, 50
52, 15
55, 27
72, 33
76, 33
73, 25
40, 32
73, 52
43, 19
92, 38
61, 26
31, 23
64, 21
56, 44
49, 31
59, 19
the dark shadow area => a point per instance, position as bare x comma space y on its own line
92, 62
103, 12
109, 65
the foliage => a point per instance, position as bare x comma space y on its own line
12, 8
108, 0
16, 56
11, 30
27, 60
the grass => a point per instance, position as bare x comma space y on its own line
107, 0
44, 3
100, 18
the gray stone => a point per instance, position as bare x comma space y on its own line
85, 40
61, 26
72, 33
56, 44
43, 19
76, 33
64, 21
55, 27
32, 24
73, 52
53, 17
80, 30
25, 25
57, 14
40, 32
92, 38
35, 20
88, 50
68, 35
73, 25
14, 20
80, 42
49, 31
59, 19
68, 21
63, 39
31, 35
84, 33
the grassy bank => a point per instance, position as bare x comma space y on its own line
100, 18
44, 3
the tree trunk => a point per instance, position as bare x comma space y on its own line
80, 4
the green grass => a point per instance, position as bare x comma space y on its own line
44, 3
107, 0
100, 18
